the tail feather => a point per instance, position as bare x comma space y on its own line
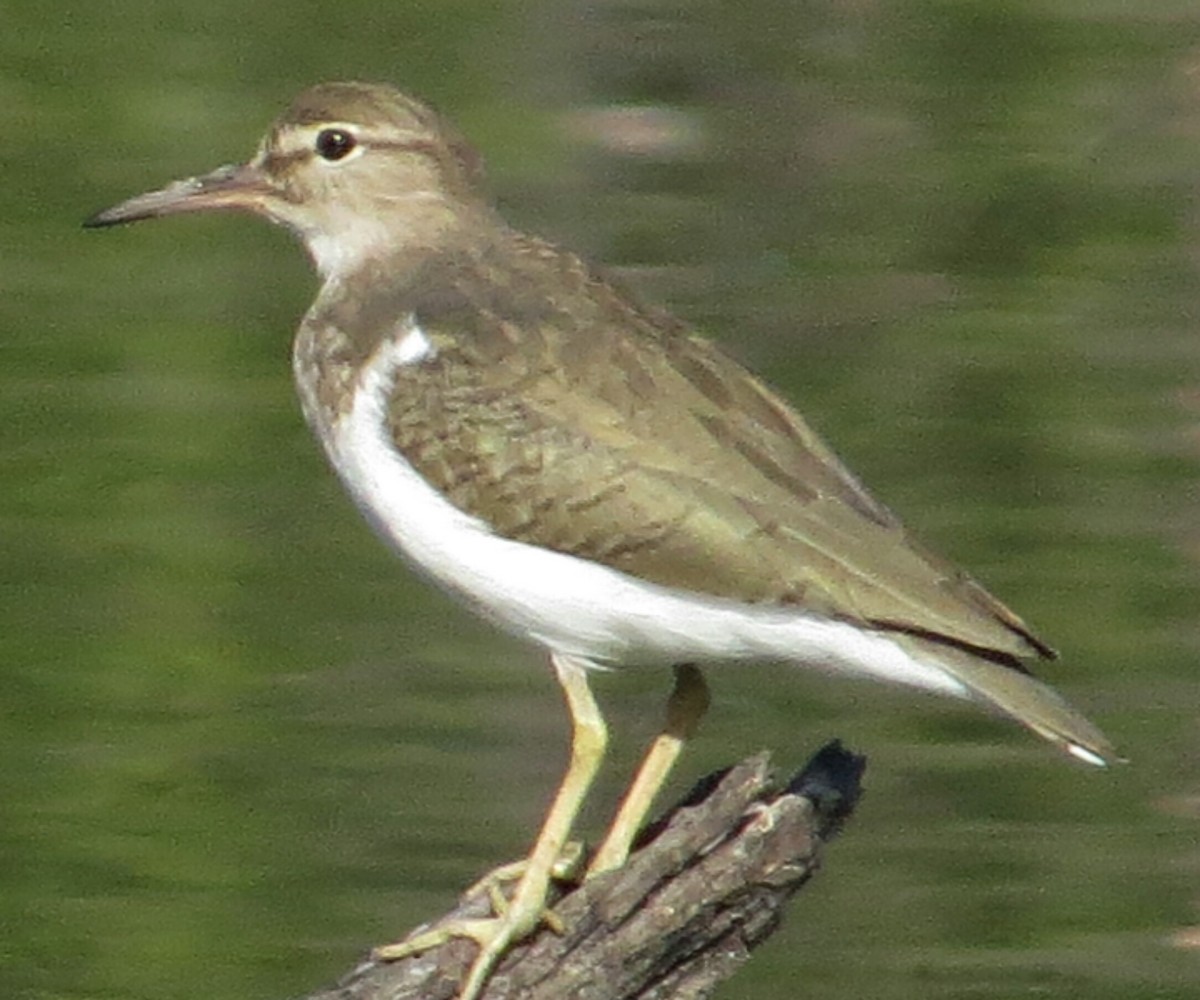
1021, 696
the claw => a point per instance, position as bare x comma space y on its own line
490, 932
494, 935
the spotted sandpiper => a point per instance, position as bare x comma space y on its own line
586, 473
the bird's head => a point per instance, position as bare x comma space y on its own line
355, 170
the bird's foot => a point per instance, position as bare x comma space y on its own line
514, 920
494, 935
569, 868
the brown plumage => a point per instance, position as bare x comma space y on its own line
538, 442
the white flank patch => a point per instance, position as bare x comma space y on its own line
410, 346
565, 603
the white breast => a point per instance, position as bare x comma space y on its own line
563, 602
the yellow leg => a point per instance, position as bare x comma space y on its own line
685, 708
588, 740
568, 868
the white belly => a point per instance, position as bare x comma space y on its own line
569, 604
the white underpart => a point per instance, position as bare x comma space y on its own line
411, 346
565, 603
345, 237
340, 249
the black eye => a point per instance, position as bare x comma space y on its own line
335, 143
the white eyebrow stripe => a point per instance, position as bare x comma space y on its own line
295, 140
302, 138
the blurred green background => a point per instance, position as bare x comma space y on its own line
239, 743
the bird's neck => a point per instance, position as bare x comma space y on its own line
351, 236
375, 301
352, 315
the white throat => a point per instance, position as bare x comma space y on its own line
337, 251
344, 236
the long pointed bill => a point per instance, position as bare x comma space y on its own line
243, 186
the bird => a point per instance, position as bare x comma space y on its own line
584, 471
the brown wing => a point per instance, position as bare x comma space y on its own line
587, 426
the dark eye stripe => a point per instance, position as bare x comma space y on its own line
279, 163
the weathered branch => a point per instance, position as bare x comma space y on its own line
708, 884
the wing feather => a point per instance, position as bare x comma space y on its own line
578, 421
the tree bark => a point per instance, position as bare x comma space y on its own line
706, 885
